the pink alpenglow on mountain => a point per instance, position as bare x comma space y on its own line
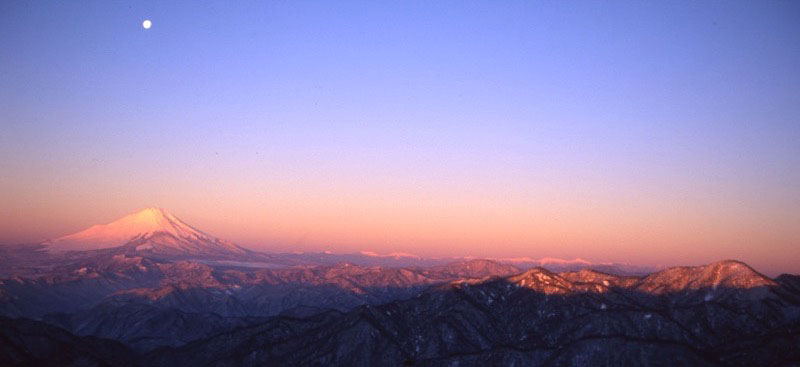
152, 230
395, 255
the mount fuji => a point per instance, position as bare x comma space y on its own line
152, 231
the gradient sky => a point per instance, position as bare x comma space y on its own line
638, 132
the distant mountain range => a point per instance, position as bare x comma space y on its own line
151, 290
156, 232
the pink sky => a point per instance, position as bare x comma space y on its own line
650, 132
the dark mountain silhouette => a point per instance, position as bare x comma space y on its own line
32, 343
472, 313
535, 318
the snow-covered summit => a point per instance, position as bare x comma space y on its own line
150, 229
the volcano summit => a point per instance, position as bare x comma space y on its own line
151, 230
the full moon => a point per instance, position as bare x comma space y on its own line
147, 24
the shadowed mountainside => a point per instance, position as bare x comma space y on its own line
148, 302
32, 343
724, 313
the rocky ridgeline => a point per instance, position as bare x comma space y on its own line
468, 313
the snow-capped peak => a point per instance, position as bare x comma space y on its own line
151, 228
151, 220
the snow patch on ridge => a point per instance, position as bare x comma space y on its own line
393, 254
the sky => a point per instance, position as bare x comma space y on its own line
657, 133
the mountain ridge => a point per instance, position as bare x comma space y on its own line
172, 311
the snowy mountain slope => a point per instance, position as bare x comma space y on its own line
151, 230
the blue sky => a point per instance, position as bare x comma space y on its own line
659, 115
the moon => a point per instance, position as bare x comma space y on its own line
147, 24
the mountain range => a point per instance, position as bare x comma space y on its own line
149, 289
154, 232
